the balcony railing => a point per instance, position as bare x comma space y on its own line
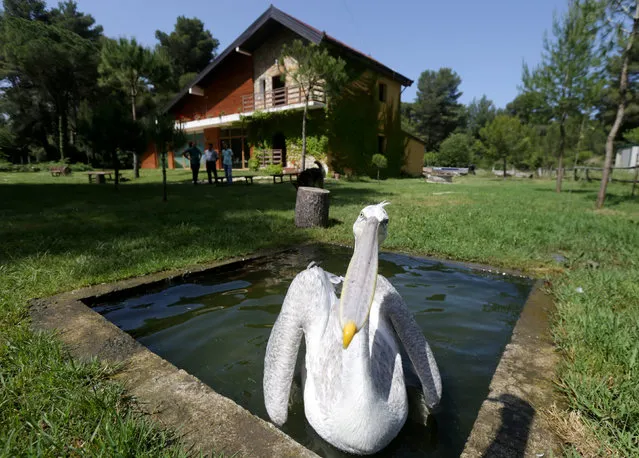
280, 97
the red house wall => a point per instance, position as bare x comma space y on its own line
223, 90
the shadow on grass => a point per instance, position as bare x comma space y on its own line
97, 229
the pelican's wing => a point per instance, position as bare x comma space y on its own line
307, 301
412, 339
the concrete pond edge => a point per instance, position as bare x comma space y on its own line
507, 424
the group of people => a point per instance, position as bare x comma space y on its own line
194, 155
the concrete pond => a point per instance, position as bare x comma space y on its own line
193, 345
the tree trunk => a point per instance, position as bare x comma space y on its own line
164, 199
61, 136
562, 149
623, 90
579, 143
304, 132
504, 168
136, 162
116, 169
311, 207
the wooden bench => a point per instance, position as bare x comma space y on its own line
248, 179
219, 179
60, 170
100, 177
281, 176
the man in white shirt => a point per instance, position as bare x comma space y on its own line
210, 156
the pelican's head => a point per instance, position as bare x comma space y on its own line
370, 230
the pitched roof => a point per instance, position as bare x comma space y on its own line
272, 14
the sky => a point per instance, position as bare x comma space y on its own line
484, 41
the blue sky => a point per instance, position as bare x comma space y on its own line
484, 41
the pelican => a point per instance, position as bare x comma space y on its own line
362, 351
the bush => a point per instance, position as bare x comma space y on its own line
379, 161
430, 158
253, 164
455, 151
273, 169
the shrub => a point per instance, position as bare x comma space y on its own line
430, 158
456, 150
379, 161
253, 164
273, 169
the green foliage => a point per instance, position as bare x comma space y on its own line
189, 48
437, 111
51, 63
632, 136
352, 121
128, 66
379, 161
430, 158
316, 146
253, 164
504, 139
456, 151
478, 114
312, 68
273, 169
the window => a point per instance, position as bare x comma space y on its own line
381, 144
382, 92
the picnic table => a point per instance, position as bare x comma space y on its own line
60, 170
100, 177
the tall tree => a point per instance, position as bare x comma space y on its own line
504, 138
618, 15
312, 69
49, 59
567, 74
189, 47
478, 114
437, 109
129, 66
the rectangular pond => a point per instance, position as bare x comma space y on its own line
216, 324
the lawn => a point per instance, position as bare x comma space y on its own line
62, 233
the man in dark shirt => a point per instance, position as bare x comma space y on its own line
194, 155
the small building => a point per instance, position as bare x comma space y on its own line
242, 100
627, 157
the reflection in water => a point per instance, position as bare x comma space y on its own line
217, 326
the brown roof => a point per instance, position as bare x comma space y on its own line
305, 31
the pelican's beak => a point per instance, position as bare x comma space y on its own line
359, 285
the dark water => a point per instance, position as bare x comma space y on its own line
216, 327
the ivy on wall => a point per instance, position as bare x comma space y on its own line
348, 129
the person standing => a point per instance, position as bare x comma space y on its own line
194, 155
227, 162
211, 156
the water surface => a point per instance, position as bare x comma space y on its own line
217, 325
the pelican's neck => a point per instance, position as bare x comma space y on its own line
356, 364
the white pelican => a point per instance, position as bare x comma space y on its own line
361, 351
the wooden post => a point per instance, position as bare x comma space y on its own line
634, 181
587, 175
311, 207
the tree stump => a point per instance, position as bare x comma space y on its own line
311, 207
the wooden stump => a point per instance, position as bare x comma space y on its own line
311, 207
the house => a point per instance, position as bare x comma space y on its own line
241, 100
627, 157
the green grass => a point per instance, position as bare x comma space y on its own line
62, 233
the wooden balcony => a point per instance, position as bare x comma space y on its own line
281, 97
278, 98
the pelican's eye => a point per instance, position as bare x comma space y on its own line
361, 215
